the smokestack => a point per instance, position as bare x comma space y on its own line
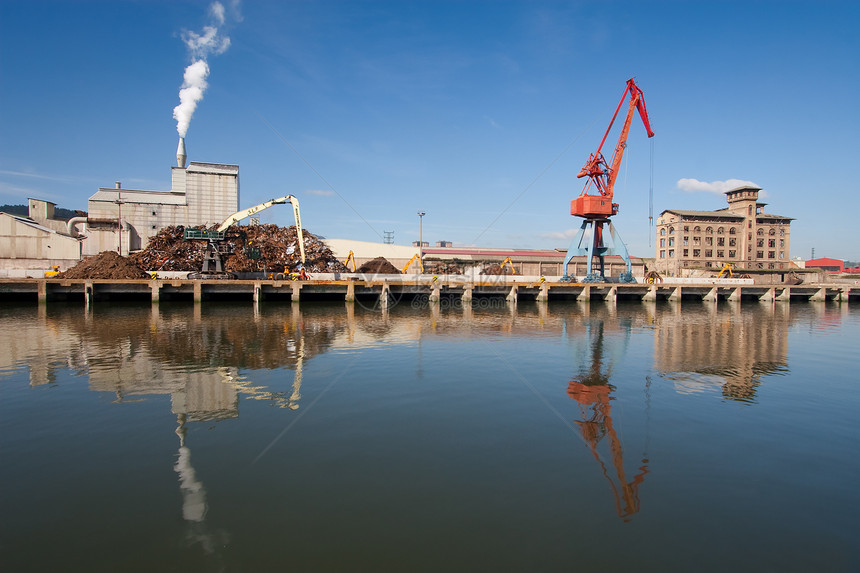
180, 153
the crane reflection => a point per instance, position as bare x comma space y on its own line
594, 395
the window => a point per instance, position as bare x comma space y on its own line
671, 230
749, 210
663, 231
709, 253
782, 254
720, 254
697, 229
782, 232
772, 231
671, 253
749, 224
771, 243
686, 241
709, 241
760, 232
782, 243
733, 231
686, 228
686, 253
749, 237
720, 230
671, 241
697, 240
662, 242
732, 242
759, 254
709, 230
662, 254
732, 254
697, 253
770, 265
721, 241
759, 243
771, 255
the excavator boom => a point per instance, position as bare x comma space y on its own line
239, 215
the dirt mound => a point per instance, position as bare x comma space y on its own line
379, 266
253, 248
105, 265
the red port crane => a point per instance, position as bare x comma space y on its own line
595, 205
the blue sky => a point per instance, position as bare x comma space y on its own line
478, 113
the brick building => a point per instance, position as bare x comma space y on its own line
742, 234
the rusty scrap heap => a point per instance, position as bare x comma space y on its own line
253, 248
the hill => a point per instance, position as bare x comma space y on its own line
24, 211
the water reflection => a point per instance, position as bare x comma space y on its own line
206, 359
728, 349
593, 393
468, 416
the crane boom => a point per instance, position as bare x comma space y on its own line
239, 215
601, 174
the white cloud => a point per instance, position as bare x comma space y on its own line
320, 192
567, 235
695, 186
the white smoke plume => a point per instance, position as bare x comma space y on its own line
211, 41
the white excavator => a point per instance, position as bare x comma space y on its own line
212, 263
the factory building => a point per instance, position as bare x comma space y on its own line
118, 219
124, 220
35, 242
742, 234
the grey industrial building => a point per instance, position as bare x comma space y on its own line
118, 219
200, 194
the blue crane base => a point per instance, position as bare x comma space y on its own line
592, 242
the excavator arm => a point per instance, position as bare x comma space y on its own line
239, 215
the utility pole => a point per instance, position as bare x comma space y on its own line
421, 235
119, 218
389, 237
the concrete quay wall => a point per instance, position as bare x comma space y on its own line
384, 288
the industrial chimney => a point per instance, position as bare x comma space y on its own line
180, 153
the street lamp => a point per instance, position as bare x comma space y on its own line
421, 234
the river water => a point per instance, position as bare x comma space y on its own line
333, 437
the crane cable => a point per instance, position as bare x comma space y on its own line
651, 195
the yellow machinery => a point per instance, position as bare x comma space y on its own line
239, 215
55, 270
415, 257
508, 261
726, 271
212, 264
350, 257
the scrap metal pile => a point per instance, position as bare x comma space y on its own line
440, 268
495, 269
253, 248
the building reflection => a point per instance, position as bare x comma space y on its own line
714, 347
592, 391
